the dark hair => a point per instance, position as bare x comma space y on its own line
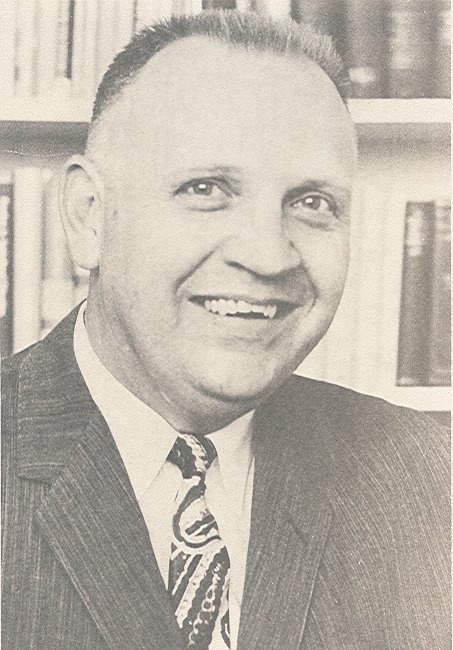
248, 30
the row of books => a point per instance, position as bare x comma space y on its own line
392, 48
397, 296
39, 284
61, 48
425, 324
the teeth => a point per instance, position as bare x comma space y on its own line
231, 307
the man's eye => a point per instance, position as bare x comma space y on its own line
205, 188
316, 203
314, 206
205, 194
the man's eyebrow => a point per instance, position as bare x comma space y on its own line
211, 170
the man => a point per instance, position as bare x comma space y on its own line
168, 483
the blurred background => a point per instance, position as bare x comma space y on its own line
391, 336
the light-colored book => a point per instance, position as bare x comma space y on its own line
62, 84
278, 9
27, 249
79, 63
125, 23
26, 39
7, 40
47, 46
392, 215
105, 36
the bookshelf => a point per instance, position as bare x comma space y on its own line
404, 147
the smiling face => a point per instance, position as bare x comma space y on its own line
224, 246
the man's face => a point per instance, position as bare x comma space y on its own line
225, 246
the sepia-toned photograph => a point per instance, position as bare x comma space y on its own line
225, 324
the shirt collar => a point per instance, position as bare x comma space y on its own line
144, 439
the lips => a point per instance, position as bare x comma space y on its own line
244, 308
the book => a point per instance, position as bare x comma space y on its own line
88, 80
439, 353
47, 46
79, 63
393, 211
105, 37
6, 271
365, 54
26, 43
416, 294
442, 44
27, 250
57, 289
7, 39
410, 49
62, 84
327, 16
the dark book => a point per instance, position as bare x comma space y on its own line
439, 363
415, 295
327, 16
6, 262
411, 48
365, 56
442, 57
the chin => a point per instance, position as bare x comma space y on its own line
237, 378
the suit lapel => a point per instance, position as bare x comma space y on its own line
90, 516
291, 517
92, 521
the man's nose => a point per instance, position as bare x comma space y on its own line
262, 244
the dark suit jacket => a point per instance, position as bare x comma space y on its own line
349, 532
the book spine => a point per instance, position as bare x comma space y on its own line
278, 9
125, 23
62, 67
442, 38
47, 47
410, 49
6, 290
27, 256
105, 37
440, 331
416, 295
78, 49
327, 16
57, 292
365, 53
7, 39
88, 80
25, 45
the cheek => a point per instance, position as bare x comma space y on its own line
326, 258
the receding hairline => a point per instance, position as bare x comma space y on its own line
246, 31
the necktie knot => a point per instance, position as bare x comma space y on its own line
193, 455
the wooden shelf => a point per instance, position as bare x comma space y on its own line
363, 111
401, 111
422, 398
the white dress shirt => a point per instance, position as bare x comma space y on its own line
144, 440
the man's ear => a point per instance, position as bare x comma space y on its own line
81, 202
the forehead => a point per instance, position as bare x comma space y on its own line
199, 95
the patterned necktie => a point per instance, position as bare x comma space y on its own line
199, 564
